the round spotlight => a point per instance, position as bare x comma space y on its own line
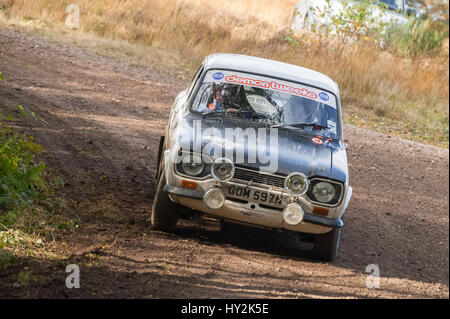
214, 198
222, 169
293, 214
296, 184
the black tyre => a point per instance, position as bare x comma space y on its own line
164, 212
326, 246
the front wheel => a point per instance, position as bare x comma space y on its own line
326, 246
164, 212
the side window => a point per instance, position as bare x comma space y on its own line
194, 80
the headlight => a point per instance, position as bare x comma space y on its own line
214, 198
324, 192
222, 169
193, 169
192, 165
296, 184
293, 214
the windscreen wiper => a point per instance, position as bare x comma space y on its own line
254, 114
300, 125
206, 114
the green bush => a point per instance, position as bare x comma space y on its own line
21, 180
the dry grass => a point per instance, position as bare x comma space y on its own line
379, 90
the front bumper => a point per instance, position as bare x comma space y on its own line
249, 214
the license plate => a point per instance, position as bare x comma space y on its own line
253, 195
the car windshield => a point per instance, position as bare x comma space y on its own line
274, 102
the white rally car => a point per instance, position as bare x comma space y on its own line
256, 142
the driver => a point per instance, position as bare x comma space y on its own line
223, 97
228, 98
221, 94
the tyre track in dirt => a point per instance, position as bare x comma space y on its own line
104, 122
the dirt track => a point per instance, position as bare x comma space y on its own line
104, 122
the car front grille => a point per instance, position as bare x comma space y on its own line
256, 177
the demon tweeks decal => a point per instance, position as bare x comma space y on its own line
268, 83
273, 85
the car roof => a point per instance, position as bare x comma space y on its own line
271, 68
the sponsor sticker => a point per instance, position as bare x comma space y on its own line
317, 140
324, 96
273, 85
218, 76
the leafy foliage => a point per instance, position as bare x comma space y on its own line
362, 21
356, 20
21, 179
